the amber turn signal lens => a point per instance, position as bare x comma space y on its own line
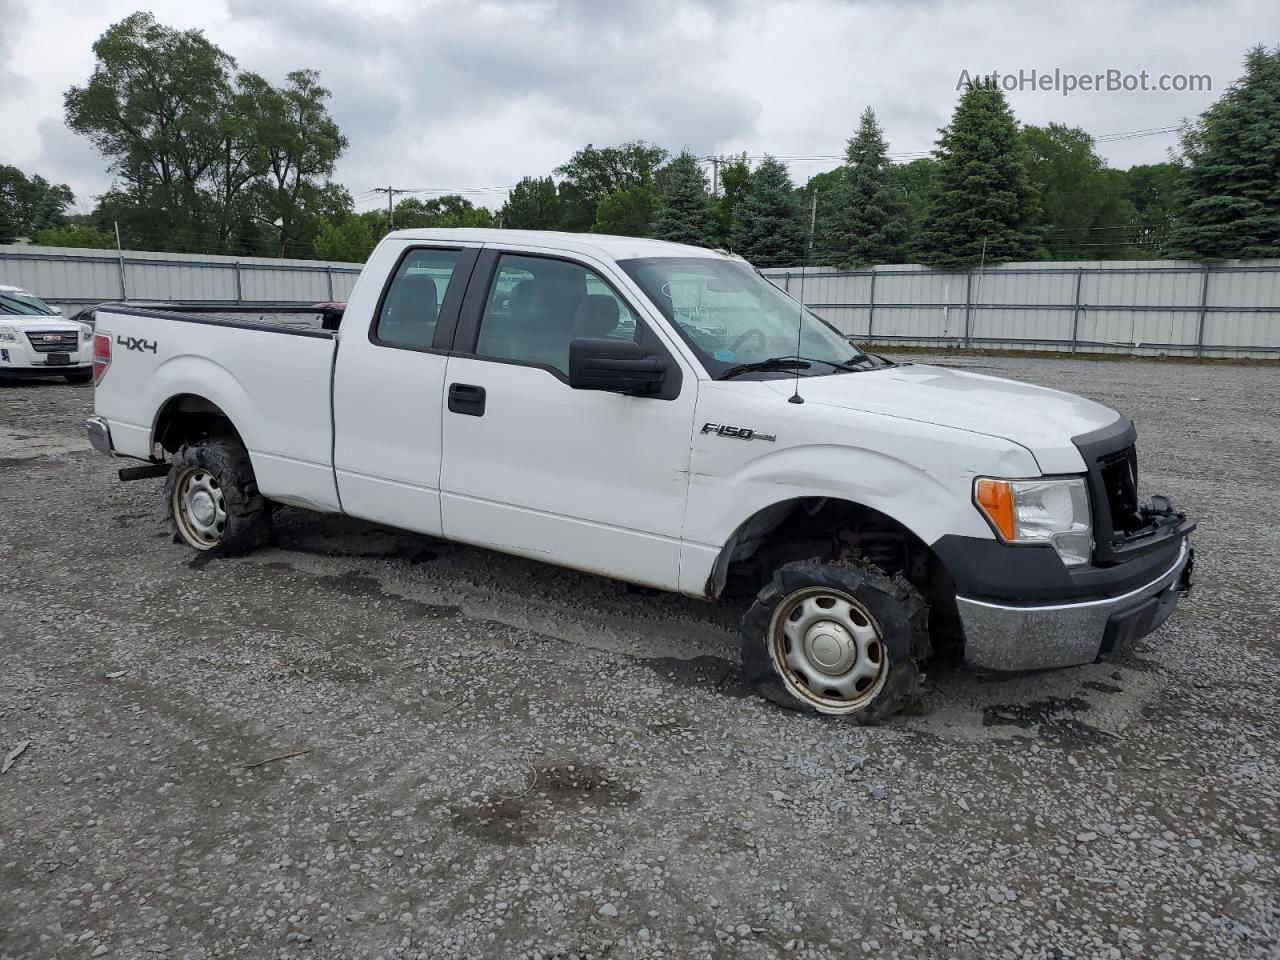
995, 497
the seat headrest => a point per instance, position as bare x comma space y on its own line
597, 316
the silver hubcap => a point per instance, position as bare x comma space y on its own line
828, 649
199, 508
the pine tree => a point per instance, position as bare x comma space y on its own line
685, 212
1231, 194
983, 203
867, 221
767, 228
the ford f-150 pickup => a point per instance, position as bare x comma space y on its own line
663, 415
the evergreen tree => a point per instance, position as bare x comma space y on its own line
1232, 189
735, 183
684, 215
767, 228
983, 203
868, 217
534, 204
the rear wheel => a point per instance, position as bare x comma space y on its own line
212, 497
836, 638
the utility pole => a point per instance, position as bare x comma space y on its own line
391, 195
715, 175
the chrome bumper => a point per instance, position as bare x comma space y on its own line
99, 435
1005, 637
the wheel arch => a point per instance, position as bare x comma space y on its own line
185, 417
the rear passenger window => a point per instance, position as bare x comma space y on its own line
536, 306
412, 304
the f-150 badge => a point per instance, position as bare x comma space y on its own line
738, 433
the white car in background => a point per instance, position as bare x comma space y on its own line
37, 341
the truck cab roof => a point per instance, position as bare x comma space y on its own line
604, 246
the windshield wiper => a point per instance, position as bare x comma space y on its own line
782, 363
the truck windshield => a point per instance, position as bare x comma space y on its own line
734, 318
21, 302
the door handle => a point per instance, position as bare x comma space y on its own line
466, 399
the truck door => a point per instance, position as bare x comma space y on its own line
388, 384
583, 478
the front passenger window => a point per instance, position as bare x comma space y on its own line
537, 305
411, 307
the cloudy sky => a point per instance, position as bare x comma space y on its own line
444, 95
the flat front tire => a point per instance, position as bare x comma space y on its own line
212, 498
836, 638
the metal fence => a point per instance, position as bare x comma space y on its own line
71, 278
1229, 309
1176, 308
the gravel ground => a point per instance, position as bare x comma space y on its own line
496, 758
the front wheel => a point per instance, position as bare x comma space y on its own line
836, 638
212, 497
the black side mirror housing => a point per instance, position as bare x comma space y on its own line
615, 366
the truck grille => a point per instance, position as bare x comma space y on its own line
54, 341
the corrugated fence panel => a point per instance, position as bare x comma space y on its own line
1142, 307
72, 278
1229, 309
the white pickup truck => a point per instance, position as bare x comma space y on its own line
663, 415
37, 341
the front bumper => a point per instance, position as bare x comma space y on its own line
18, 359
1004, 636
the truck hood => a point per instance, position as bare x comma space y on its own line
1040, 419
36, 321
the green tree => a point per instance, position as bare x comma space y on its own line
983, 205
767, 227
627, 212
297, 143
29, 204
735, 183
352, 240
594, 173
205, 158
449, 210
915, 181
155, 107
1084, 214
1231, 194
867, 218
533, 204
684, 215
1154, 191
75, 236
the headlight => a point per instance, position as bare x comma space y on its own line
1040, 511
86, 333
8, 335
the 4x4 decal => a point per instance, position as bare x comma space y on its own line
136, 343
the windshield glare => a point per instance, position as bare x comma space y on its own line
732, 315
21, 302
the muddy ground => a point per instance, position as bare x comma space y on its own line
359, 743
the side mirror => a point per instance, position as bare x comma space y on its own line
615, 366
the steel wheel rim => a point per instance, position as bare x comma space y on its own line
828, 649
199, 508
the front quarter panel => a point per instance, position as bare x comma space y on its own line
918, 473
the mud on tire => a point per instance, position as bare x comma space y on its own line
222, 465
786, 655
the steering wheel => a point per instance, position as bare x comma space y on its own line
753, 332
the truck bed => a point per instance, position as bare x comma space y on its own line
273, 380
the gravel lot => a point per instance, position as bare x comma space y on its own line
502, 759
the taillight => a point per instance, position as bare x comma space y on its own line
101, 356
